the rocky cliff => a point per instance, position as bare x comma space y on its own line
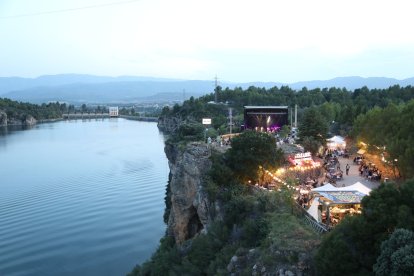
28, 120
3, 118
191, 210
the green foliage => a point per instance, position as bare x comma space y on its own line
390, 127
263, 219
354, 245
335, 104
205, 253
310, 144
284, 131
397, 255
339, 254
192, 132
220, 173
251, 219
249, 151
167, 200
314, 126
19, 110
161, 261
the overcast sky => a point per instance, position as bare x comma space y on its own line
256, 40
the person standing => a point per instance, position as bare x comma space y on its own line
347, 169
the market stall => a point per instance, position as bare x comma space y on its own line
333, 204
336, 143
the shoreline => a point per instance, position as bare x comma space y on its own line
44, 121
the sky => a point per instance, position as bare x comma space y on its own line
237, 40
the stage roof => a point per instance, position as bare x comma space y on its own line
263, 107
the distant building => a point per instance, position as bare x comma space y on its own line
265, 118
113, 111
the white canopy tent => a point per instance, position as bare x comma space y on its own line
358, 186
313, 209
325, 188
336, 142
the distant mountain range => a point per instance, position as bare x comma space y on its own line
77, 89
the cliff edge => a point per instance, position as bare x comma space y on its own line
191, 210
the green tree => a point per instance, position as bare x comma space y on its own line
313, 125
390, 127
284, 131
250, 150
311, 145
397, 255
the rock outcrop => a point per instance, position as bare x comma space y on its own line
3, 118
30, 120
191, 210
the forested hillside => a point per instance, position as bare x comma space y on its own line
340, 107
13, 112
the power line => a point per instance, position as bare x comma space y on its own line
69, 10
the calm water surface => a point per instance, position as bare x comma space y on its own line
81, 197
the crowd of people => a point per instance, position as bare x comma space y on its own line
219, 141
370, 171
332, 167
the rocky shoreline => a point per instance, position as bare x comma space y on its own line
29, 120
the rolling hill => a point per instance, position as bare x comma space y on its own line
77, 89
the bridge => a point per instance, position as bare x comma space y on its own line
75, 116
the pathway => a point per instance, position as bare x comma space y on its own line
353, 175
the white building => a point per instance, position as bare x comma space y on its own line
113, 111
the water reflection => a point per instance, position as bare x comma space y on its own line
80, 197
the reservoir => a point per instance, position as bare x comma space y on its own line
81, 197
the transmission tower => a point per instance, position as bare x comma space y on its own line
215, 89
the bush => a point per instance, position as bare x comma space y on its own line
397, 255
191, 132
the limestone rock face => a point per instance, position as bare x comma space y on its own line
190, 207
3, 118
30, 121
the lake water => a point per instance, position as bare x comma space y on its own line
81, 197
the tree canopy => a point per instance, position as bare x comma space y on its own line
19, 110
313, 130
390, 127
250, 150
397, 255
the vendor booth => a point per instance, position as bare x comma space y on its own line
303, 160
336, 143
329, 204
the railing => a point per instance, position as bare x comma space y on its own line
316, 226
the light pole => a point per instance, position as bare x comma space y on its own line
205, 135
